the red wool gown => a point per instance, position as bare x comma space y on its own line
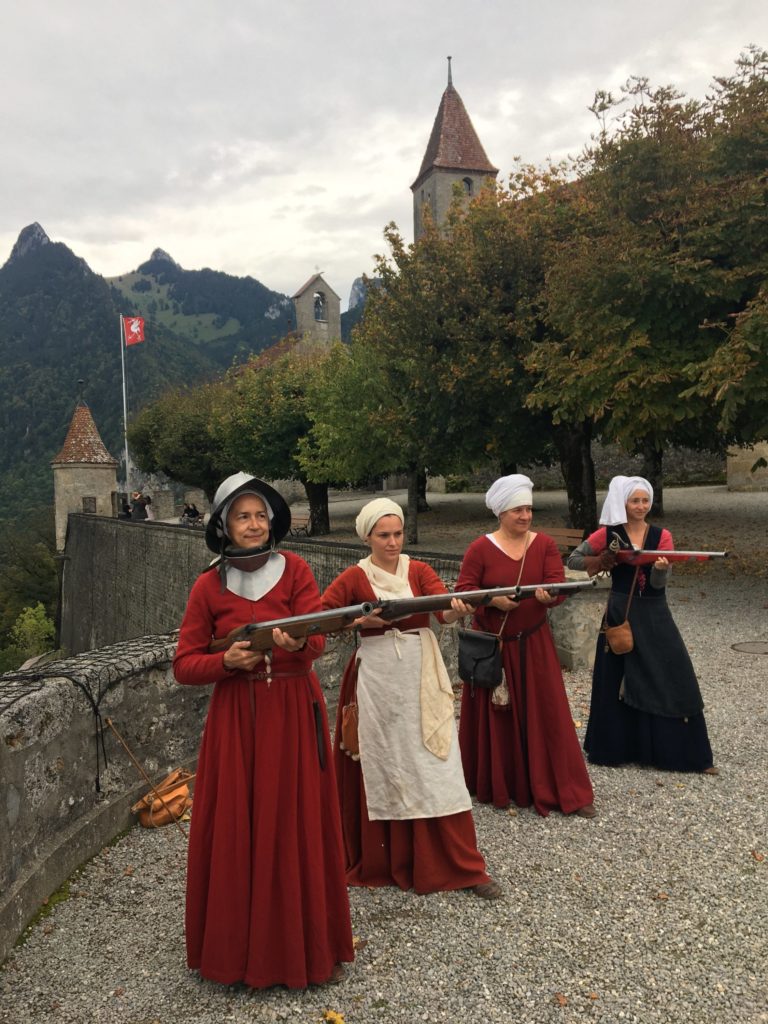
526, 752
266, 896
424, 854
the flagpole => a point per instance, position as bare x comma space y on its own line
125, 410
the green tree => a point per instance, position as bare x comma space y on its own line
433, 377
664, 252
33, 632
178, 435
266, 420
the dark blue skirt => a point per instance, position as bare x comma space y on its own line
620, 734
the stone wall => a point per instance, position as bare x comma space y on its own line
741, 476
122, 579
52, 817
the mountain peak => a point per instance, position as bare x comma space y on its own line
31, 238
161, 254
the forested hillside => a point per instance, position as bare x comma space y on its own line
59, 323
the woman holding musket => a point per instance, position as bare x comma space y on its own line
405, 809
646, 704
266, 896
518, 742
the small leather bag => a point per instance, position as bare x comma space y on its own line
168, 801
349, 741
480, 657
619, 639
480, 662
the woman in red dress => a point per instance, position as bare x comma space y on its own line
405, 808
518, 742
266, 896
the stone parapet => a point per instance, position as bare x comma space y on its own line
52, 815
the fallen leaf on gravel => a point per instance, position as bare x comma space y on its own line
659, 782
333, 1017
577, 722
129, 870
512, 812
680, 785
359, 943
593, 995
560, 999
661, 896
758, 856
119, 991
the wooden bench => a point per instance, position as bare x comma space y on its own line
300, 524
566, 538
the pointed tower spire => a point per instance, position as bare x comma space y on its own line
84, 473
454, 155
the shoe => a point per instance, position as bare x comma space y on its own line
489, 890
337, 975
587, 811
712, 770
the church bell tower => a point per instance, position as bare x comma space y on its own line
454, 155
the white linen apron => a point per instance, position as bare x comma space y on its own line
403, 779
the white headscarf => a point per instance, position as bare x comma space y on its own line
371, 513
509, 492
614, 512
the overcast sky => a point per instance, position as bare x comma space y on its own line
276, 139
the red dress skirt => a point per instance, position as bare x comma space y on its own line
266, 896
425, 854
526, 752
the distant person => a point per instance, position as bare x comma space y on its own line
191, 513
646, 704
148, 507
125, 511
138, 507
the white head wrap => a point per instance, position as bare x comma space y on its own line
614, 512
371, 513
509, 492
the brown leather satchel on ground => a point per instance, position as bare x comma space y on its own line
349, 742
168, 801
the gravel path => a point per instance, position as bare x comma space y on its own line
655, 911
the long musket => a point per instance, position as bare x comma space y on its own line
259, 634
642, 556
400, 608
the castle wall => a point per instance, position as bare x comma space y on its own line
124, 579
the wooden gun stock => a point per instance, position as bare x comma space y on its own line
259, 634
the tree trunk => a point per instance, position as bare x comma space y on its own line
319, 519
412, 514
421, 482
653, 471
574, 446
